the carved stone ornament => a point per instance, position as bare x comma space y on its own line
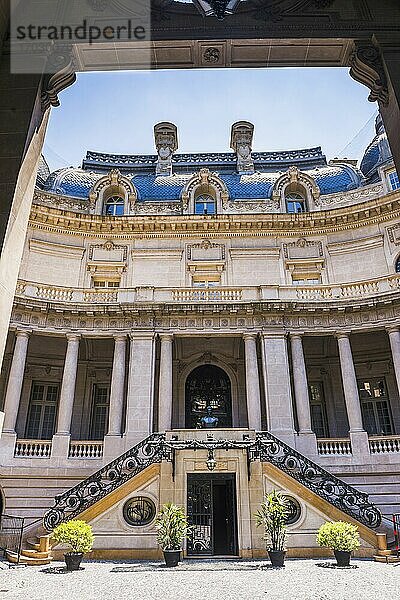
166, 141
205, 178
366, 67
294, 176
55, 82
212, 55
241, 143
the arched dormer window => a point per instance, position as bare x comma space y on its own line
114, 206
295, 202
204, 204
397, 265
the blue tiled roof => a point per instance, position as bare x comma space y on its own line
71, 182
336, 178
165, 187
256, 185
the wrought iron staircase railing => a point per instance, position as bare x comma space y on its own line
263, 447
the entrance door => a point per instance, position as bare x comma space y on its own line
211, 505
208, 388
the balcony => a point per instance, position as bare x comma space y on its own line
224, 294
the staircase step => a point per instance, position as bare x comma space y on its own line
12, 557
384, 553
387, 559
35, 554
33, 543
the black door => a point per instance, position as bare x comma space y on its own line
212, 513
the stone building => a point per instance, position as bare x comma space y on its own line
208, 297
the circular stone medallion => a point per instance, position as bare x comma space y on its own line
139, 511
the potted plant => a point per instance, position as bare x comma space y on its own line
79, 536
341, 537
172, 525
272, 516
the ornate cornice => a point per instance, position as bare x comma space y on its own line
365, 214
367, 68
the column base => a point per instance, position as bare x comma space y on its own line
306, 443
360, 445
114, 445
60, 446
7, 446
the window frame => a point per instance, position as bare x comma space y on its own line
118, 201
212, 201
44, 403
322, 404
385, 399
94, 407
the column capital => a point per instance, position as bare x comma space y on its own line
296, 335
249, 336
166, 337
119, 337
274, 335
342, 335
23, 333
73, 337
393, 329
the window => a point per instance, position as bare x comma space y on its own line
114, 206
306, 280
398, 265
295, 203
42, 411
393, 180
319, 422
103, 283
375, 406
204, 205
101, 395
206, 282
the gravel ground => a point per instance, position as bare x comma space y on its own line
199, 580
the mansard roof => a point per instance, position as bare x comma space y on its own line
269, 166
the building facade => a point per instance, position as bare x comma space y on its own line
208, 296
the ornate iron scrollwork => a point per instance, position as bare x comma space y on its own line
103, 482
338, 493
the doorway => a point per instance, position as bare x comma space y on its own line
208, 387
211, 502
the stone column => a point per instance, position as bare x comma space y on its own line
15, 381
165, 384
358, 437
117, 386
394, 339
67, 393
252, 382
278, 394
139, 413
307, 441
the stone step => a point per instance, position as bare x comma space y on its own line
35, 554
12, 557
387, 559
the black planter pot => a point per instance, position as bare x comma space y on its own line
277, 557
342, 558
73, 560
172, 557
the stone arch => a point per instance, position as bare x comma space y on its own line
114, 183
214, 360
207, 183
295, 180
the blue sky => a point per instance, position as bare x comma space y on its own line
290, 108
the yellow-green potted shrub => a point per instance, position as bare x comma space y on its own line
341, 537
272, 515
79, 536
172, 528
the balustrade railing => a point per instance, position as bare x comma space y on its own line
306, 293
85, 449
382, 445
32, 449
334, 446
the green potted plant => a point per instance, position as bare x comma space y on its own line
341, 537
272, 516
172, 526
79, 536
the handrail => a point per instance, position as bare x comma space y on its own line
265, 448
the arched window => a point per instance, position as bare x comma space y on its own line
208, 391
204, 204
397, 266
114, 207
295, 202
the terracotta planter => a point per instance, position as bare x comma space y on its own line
342, 558
277, 557
172, 557
73, 560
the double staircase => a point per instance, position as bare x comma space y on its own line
261, 446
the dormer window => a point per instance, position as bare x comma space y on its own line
295, 203
393, 180
205, 205
114, 207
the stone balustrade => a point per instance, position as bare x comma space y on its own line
334, 292
381, 445
85, 449
334, 446
32, 449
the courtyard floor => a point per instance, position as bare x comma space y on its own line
203, 579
